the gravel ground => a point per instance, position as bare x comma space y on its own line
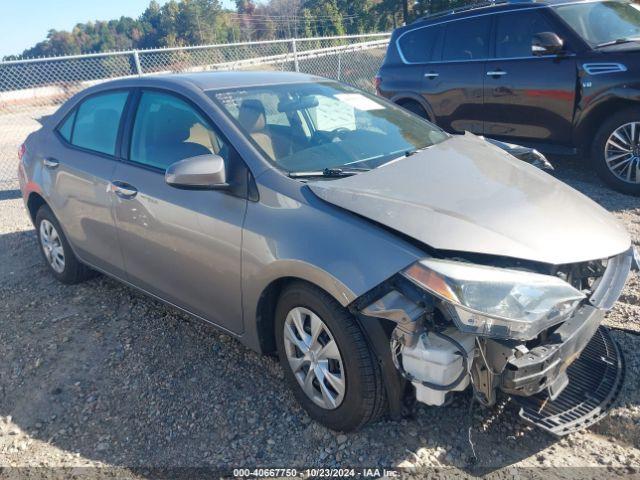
99, 375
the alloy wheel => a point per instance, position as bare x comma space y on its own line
314, 358
52, 246
622, 152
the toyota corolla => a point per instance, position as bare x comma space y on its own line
380, 257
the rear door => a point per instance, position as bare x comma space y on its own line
180, 245
82, 159
528, 97
453, 80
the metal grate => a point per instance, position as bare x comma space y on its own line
595, 379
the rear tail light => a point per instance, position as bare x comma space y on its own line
21, 150
376, 83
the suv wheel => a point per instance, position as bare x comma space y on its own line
414, 107
327, 361
616, 151
56, 251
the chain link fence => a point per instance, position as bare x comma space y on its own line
32, 88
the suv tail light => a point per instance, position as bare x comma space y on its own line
376, 83
21, 150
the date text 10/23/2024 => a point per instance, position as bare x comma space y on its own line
314, 472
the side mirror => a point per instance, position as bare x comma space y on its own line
546, 43
206, 172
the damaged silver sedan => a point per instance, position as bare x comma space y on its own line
382, 259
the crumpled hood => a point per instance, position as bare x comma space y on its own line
467, 195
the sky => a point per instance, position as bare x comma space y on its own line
23, 23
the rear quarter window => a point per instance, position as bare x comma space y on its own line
66, 127
418, 46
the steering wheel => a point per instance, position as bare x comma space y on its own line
319, 137
336, 132
335, 135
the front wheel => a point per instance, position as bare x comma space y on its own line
615, 151
327, 361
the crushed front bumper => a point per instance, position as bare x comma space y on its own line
544, 367
570, 380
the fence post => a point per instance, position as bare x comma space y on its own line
339, 65
136, 59
294, 49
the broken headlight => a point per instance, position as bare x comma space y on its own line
496, 302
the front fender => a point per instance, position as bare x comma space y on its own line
600, 102
298, 235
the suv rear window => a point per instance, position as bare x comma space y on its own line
417, 46
467, 39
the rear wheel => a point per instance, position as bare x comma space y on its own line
327, 361
414, 107
56, 251
615, 152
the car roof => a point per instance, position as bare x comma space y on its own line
487, 7
220, 80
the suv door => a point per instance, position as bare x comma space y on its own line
83, 158
180, 245
453, 81
528, 97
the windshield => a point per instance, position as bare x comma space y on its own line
601, 23
316, 126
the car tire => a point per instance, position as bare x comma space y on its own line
602, 149
56, 251
415, 108
363, 398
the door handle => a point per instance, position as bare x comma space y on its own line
431, 75
496, 73
123, 190
50, 162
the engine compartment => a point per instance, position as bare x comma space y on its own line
436, 358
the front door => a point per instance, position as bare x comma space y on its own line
527, 97
453, 81
181, 245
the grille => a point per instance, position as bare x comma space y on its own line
595, 379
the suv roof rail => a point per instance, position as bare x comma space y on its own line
471, 6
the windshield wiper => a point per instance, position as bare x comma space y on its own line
408, 153
330, 172
618, 41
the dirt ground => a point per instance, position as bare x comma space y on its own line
99, 375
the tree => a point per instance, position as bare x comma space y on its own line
190, 22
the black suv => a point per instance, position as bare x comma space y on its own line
560, 76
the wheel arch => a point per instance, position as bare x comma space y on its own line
593, 118
399, 98
34, 202
266, 307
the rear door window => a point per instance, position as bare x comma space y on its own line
96, 122
467, 39
515, 31
418, 45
